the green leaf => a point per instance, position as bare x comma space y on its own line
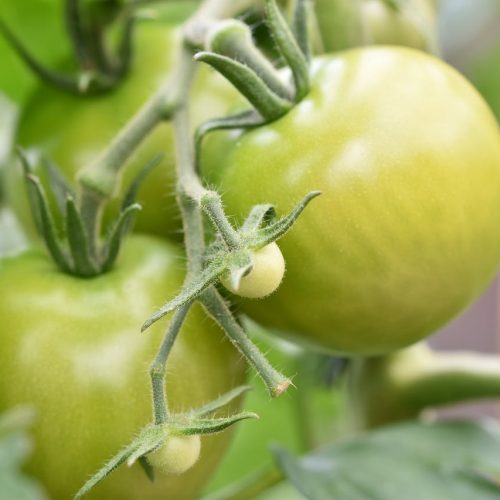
15, 447
46, 40
414, 461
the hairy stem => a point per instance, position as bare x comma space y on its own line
191, 194
214, 304
158, 367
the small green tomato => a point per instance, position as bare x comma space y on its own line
177, 455
265, 276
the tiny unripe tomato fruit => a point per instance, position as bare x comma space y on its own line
264, 278
176, 455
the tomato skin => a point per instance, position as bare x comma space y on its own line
405, 233
73, 131
72, 348
176, 455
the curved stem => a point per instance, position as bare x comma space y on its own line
98, 182
190, 195
452, 377
403, 384
158, 367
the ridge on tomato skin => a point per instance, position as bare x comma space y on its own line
72, 349
405, 233
73, 131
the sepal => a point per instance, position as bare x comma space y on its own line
289, 48
259, 229
77, 251
269, 104
276, 230
153, 436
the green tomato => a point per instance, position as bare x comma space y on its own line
352, 23
405, 234
73, 131
413, 25
72, 349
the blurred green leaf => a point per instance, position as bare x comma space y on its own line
15, 447
414, 461
484, 73
39, 24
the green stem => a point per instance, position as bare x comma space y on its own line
191, 194
216, 307
211, 204
158, 367
403, 384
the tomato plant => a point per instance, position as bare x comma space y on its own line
81, 127
71, 347
407, 157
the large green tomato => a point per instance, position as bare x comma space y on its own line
405, 234
72, 349
73, 131
352, 23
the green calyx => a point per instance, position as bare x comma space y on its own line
75, 244
231, 251
231, 52
101, 63
199, 421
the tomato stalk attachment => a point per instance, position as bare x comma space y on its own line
74, 248
100, 66
231, 52
152, 438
